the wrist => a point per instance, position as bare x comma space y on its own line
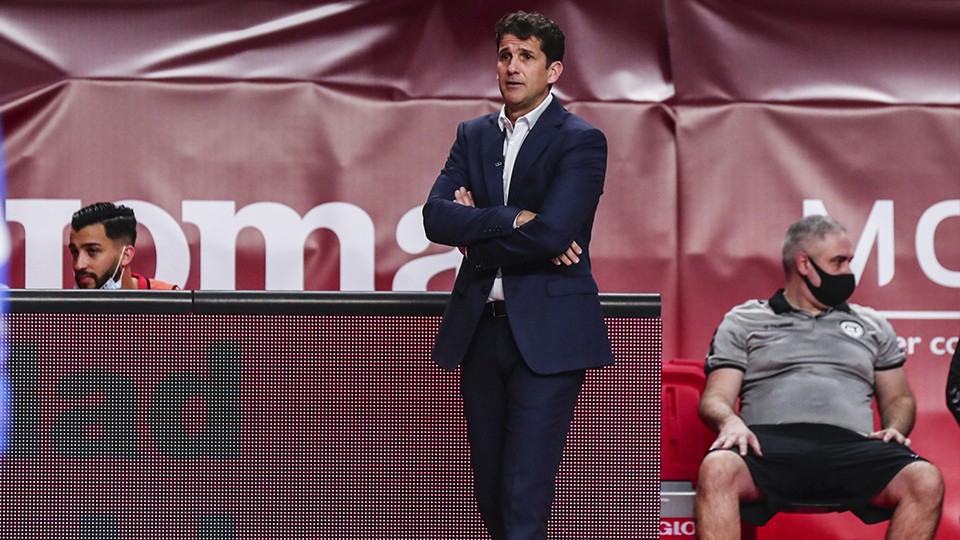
730, 420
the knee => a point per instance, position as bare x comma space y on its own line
921, 482
926, 482
720, 470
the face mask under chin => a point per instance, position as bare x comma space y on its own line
115, 282
111, 284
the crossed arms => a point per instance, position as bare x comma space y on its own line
560, 195
463, 197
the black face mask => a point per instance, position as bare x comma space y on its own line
834, 289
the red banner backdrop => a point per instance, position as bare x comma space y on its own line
276, 145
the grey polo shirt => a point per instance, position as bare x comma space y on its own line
806, 368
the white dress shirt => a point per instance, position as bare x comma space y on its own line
513, 139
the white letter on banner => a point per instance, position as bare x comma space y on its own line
217, 242
878, 229
43, 222
926, 250
173, 253
284, 234
354, 230
416, 274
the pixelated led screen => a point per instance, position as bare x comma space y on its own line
290, 426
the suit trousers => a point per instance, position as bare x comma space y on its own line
517, 425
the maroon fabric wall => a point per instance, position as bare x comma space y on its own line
289, 145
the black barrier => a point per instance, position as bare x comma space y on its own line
220, 414
274, 303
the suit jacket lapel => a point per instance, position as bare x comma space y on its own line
491, 154
539, 138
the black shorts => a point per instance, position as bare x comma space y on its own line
822, 464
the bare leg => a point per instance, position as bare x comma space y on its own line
916, 495
724, 480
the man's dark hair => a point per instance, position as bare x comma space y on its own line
526, 25
118, 220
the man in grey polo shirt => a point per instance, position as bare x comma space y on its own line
806, 366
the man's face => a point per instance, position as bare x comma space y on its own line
523, 74
832, 254
95, 257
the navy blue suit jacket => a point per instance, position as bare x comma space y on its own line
554, 311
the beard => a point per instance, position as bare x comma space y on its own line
89, 280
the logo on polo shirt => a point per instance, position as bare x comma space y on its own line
852, 329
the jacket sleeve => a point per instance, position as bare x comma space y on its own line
447, 222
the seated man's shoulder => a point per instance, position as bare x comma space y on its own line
865, 311
751, 310
156, 284
144, 282
751, 316
871, 316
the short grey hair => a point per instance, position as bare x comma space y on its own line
801, 233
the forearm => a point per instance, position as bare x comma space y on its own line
557, 225
899, 414
717, 413
449, 223
521, 248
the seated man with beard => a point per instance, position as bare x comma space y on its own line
102, 239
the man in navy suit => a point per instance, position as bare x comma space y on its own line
518, 195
